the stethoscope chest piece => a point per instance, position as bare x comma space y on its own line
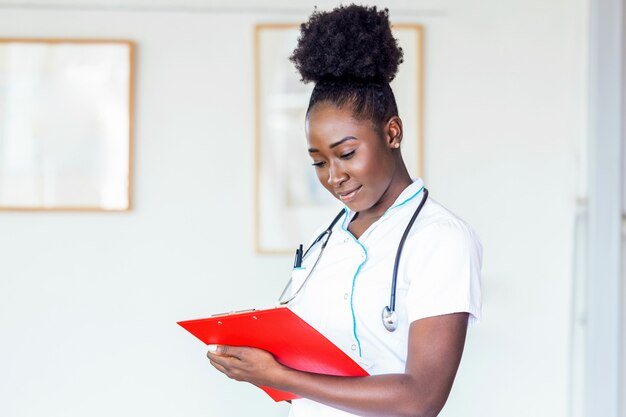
390, 319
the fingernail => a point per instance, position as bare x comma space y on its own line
212, 348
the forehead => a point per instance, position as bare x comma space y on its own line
327, 121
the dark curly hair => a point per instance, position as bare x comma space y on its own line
352, 56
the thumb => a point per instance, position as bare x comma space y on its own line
224, 350
215, 349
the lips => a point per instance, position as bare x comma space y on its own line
350, 194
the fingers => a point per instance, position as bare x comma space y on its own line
223, 360
219, 367
220, 361
243, 363
217, 356
228, 368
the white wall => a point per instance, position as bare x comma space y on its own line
89, 301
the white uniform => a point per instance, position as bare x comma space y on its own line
439, 273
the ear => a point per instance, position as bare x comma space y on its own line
393, 130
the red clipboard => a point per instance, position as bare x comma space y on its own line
291, 340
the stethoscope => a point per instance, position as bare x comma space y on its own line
389, 316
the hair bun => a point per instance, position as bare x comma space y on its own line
352, 43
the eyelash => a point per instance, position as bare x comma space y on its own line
347, 155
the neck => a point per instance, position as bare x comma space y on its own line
399, 182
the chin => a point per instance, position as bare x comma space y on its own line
356, 205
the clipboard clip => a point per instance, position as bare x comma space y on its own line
228, 313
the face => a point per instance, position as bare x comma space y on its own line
351, 159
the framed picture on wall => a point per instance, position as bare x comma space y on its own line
65, 124
290, 204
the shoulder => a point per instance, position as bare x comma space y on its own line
442, 265
438, 224
441, 242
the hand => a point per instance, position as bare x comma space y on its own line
248, 364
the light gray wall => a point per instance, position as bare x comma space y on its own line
605, 142
89, 301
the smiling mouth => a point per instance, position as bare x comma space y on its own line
350, 195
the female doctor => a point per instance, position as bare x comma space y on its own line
354, 135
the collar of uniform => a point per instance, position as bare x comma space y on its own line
409, 193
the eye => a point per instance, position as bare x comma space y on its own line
347, 155
319, 164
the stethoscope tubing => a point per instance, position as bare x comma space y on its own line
389, 316
396, 264
328, 230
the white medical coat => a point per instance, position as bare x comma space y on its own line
439, 273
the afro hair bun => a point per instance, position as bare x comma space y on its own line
352, 43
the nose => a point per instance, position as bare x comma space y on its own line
336, 175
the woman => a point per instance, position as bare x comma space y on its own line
354, 135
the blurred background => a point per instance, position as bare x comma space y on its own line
523, 138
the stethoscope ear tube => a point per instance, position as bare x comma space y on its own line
390, 319
326, 233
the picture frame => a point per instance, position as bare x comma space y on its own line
290, 204
66, 123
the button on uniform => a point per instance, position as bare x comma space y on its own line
345, 296
353, 347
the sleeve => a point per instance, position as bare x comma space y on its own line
443, 272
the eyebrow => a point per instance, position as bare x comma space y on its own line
333, 145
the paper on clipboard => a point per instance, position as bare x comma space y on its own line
291, 340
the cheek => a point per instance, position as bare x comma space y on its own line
370, 167
361, 167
